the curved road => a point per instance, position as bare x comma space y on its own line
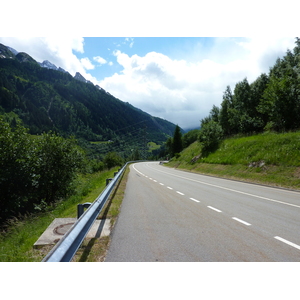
171, 215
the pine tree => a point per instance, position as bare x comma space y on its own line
177, 140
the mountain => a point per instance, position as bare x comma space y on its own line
45, 98
79, 77
6, 52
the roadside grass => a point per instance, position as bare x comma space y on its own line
269, 158
16, 242
94, 250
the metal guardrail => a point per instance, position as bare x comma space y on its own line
67, 247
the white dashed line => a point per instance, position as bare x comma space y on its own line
241, 221
179, 193
169, 188
154, 180
287, 242
232, 190
161, 183
194, 200
214, 208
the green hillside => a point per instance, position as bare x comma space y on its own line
46, 99
254, 134
269, 158
55, 128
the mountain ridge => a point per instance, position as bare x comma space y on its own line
45, 99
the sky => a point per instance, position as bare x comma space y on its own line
172, 61
175, 78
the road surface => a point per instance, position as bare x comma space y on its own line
171, 215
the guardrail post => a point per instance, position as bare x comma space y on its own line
81, 207
68, 245
108, 180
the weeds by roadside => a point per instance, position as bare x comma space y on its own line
94, 250
17, 240
268, 158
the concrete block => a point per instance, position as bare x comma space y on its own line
60, 226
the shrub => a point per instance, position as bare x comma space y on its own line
210, 136
34, 171
112, 159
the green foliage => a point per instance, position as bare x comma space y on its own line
224, 117
59, 160
20, 234
112, 159
177, 140
271, 102
174, 145
95, 165
136, 155
280, 149
211, 134
16, 171
281, 102
34, 171
51, 100
190, 137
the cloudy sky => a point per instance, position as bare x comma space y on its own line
178, 79
138, 56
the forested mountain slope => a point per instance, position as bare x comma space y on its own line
47, 99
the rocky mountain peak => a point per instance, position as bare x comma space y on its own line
47, 64
79, 77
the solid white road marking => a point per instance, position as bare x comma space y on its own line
214, 208
228, 189
179, 193
194, 200
287, 242
241, 221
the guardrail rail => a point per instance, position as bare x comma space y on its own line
68, 245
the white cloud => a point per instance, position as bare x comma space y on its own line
58, 50
86, 63
100, 60
184, 91
180, 90
130, 41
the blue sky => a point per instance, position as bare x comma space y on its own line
172, 61
173, 47
176, 78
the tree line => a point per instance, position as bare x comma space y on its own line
46, 99
38, 170
270, 103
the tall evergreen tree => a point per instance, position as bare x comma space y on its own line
177, 140
226, 105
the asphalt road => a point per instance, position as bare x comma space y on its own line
171, 215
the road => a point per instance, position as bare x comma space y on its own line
171, 215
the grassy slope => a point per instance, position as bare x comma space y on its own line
279, 152
16, 244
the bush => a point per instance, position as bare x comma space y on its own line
59, 160
34, 171
112, 159
210, 136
